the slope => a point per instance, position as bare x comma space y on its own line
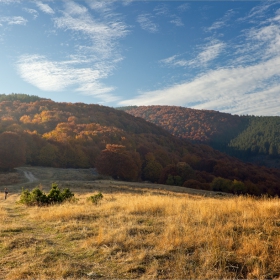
250, 138
47, 133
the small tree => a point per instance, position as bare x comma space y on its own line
38, 198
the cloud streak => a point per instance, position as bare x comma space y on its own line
207, 54
16, 20
222, 89
44, 8
247, 83
146, 23
93, 59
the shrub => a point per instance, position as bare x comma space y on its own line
38, 198
96, 198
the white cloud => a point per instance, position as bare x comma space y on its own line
101, 5
146, 23
94, 59
58, 76
222, 22
75, 9
176, 20
183, 7
210, 52
44, 8
32, 12
17, 20
247, 80
9, 1
103, 34
222, 89
207, 54
161, 10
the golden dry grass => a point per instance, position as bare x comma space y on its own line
150, 235
9, 178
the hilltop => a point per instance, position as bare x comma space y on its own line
67, 135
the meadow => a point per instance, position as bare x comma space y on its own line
151, 234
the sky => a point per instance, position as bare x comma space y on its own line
214, 55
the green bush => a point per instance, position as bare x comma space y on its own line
96, 198
225, 185
38, 198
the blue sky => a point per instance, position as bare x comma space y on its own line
215, 55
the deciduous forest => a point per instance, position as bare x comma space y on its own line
41, 132
250, 138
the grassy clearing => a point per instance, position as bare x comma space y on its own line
149, 235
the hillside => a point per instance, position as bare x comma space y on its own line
51, 134
250, 138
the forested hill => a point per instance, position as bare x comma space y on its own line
43, 132
247, 137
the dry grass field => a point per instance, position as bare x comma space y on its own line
140, 231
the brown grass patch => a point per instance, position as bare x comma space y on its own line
169, 236
10, 178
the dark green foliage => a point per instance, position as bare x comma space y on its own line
126, 108
226, 185
20, 97
262, 136
96, 198
34, 198
38, 198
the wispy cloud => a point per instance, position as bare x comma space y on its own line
146, 23
92, 60
17, 20
222, 22
44, 8
103, 34
161, 10
259, 12
32, 12
101, 5
176, 20
208, 53
58, 76
9, 1
222, 89
73, 8
183, 7
247, 82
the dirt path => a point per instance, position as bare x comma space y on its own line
30, 176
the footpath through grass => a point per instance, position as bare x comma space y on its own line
164, 235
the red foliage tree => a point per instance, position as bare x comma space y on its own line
115, 161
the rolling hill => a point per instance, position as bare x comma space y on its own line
41, 132
250, 138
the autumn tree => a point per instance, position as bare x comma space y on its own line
119, 163
12, 150
48, 155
